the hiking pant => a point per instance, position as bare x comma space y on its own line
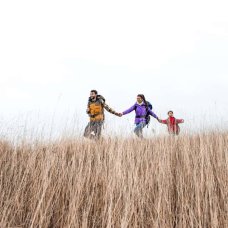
93, 129
139, 129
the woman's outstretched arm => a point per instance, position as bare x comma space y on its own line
153, 114
129, 110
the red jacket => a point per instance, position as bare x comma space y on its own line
172, 124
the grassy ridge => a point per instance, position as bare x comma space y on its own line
162, 182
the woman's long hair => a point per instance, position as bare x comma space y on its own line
144, 100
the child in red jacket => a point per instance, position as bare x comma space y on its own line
172, 124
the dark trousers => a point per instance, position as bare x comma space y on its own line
93, 129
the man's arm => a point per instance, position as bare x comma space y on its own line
88, 109
107, 108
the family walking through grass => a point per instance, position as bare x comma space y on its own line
143, 111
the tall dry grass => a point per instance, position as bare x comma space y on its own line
162, 182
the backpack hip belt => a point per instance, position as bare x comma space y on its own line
95, 115
141, 116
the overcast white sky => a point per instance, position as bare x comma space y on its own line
53, 52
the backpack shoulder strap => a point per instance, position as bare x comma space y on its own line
147, 107
100, 97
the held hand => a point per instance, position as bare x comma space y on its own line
182, 121
159, 120
120, 114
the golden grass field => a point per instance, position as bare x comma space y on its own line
160, 182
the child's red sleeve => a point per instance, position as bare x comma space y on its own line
164, 121
179, 121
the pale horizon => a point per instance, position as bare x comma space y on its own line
52, 53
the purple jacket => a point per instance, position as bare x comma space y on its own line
140, 110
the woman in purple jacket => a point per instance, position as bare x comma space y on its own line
142, 110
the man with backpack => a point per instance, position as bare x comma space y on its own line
143, 110
95, 110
